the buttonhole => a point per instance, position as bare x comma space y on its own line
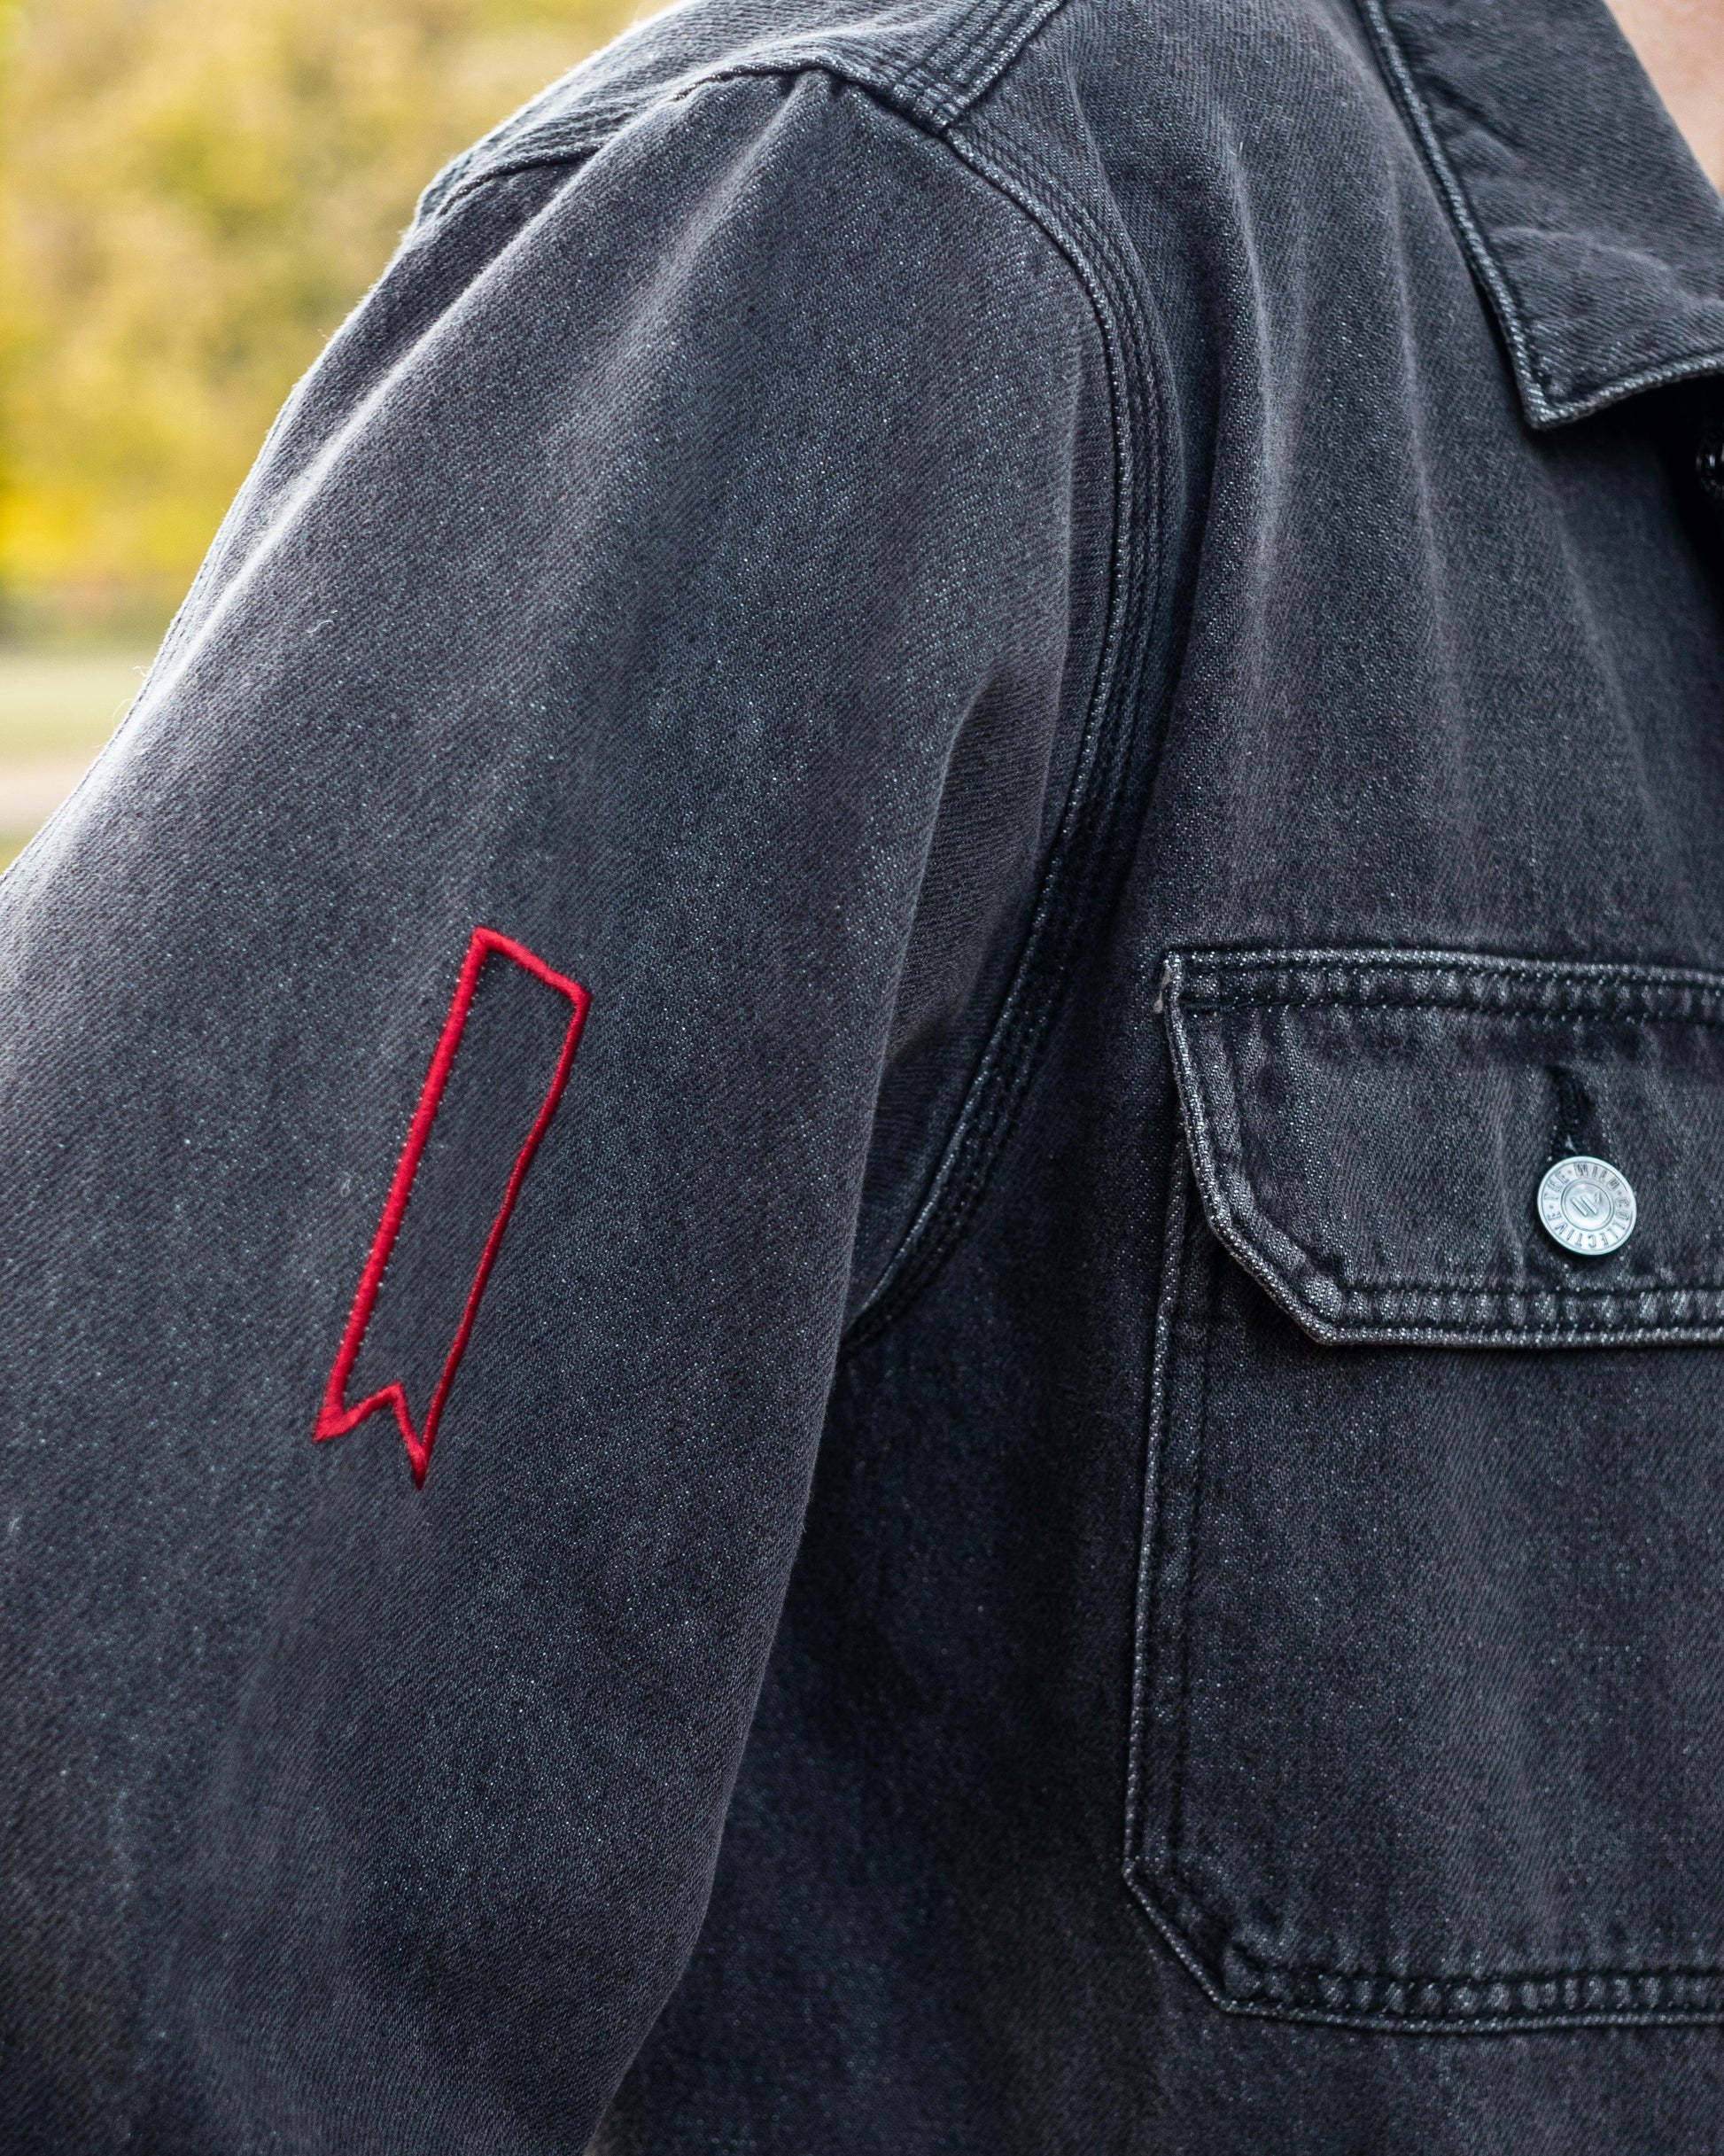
1576, 1117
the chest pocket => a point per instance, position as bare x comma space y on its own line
1429, 1723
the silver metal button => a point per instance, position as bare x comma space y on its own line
1587, 1206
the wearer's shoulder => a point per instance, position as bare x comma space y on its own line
931, 59
1065, 77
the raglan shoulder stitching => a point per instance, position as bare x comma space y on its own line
944, 86
935, 86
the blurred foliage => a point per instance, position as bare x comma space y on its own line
192, 194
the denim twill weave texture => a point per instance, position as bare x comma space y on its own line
1096, 631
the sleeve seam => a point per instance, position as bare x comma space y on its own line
1065, 892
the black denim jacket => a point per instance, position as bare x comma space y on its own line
792, 1079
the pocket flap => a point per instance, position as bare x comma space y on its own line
1369, 1131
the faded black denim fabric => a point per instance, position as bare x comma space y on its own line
1097, 630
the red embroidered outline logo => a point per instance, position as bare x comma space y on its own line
335, 1418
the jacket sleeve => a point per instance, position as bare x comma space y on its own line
621, 587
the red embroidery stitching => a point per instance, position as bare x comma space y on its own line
335, 1419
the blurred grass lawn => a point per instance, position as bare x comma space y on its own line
56, 710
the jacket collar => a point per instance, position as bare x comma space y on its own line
1595, 235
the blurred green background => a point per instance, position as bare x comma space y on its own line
193, 195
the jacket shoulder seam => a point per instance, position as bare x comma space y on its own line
936, 88
1073, 880
1114, 749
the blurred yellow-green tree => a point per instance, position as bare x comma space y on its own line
192, 194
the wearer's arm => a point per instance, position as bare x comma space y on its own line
625, 582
